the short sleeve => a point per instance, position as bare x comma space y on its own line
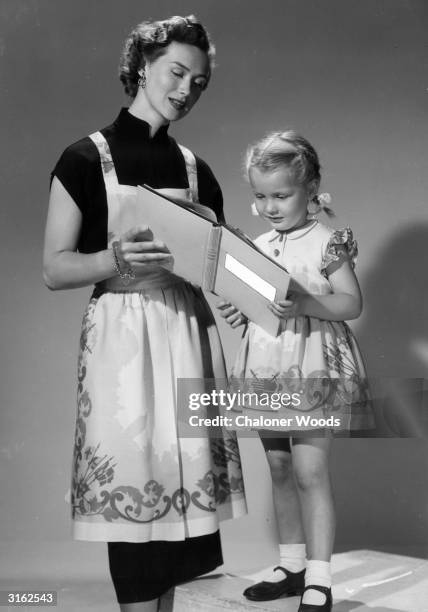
341, 244
79, 171
209, 189
74, 169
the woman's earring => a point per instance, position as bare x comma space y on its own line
254, 210
142, 80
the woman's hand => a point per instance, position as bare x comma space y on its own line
286, 309
139, 249
231, 314
65, 268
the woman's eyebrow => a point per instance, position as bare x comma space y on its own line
188, 69
180, 64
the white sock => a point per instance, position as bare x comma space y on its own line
317, 572
292, 558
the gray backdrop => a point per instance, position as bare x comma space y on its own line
349, 75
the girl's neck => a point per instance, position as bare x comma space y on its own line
299, 226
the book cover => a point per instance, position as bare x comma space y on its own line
218, 258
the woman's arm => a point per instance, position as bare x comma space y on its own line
64, 268
344, 304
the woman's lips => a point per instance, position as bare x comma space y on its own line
177, 104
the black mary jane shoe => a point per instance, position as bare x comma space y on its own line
293, 584
325, 607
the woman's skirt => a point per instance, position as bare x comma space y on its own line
146, 570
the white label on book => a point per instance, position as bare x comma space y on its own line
250, 278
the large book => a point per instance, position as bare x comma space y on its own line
217, 257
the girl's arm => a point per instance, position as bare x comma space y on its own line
64, 268
231, 314
344, 304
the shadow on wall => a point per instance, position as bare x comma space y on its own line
394, 334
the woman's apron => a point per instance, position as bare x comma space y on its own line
134, 479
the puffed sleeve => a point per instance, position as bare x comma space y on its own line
341, 245
209, 190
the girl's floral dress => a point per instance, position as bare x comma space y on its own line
316, 359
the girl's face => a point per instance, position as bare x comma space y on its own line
175, 80
279, 198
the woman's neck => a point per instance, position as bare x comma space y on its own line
142, 109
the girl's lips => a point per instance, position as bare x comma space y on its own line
274, 219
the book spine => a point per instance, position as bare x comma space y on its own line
211, 258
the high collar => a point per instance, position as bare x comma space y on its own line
295, 233
133, 127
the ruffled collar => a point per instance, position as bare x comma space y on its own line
294, 234
133, 127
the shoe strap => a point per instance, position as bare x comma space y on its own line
280, 568
316, 587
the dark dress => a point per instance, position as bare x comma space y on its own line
139, 160
141, 570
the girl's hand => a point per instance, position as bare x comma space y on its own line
286, 309
139, 249
231, 314
343, 304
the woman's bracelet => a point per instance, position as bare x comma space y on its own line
127, 274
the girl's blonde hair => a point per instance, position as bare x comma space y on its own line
288, 149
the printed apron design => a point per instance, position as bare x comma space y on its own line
133, 478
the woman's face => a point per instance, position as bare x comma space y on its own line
175, 80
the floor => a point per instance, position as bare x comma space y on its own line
363, 580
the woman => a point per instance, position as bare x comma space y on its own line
154, 497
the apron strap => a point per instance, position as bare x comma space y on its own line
192, 174
107, 165
109, 172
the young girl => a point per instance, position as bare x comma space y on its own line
314, 342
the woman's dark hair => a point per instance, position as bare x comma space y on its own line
149, 40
